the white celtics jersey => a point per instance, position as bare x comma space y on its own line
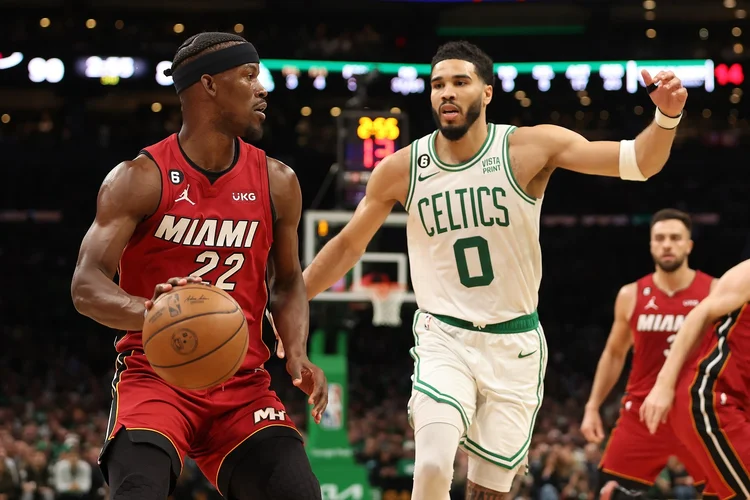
473, 234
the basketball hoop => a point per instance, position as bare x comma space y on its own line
386, 299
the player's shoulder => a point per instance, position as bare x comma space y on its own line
394, 165
701, 277
628, 291
142, 171
133, 186
284, 188
402, 156
280, 171
531, 133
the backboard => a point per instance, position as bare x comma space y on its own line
384, 263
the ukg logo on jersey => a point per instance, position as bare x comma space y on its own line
243, 196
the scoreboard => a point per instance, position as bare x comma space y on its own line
365, 137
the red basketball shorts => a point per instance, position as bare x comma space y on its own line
206, 425
633, 453
715, 427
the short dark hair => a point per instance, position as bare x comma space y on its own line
202, 43
466, 51
672, 214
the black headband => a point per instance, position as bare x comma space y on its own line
212, 63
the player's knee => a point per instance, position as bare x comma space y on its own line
140, 487
433, 469
436, 445
137, 470
275, 468
293, 478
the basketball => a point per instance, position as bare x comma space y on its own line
195, 336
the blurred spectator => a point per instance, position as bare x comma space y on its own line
71, 476
35, 478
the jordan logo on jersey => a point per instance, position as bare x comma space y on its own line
652, 304
184, 196
208, 232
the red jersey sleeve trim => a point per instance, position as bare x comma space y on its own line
162, 204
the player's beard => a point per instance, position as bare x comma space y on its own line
670, 267
455, 132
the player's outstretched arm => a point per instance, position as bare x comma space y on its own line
129, 194
388, 184
630, 160
730, 293
288, 302
611, 363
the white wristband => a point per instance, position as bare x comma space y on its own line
629, 170
665, 121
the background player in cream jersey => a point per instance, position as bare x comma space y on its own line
473, 192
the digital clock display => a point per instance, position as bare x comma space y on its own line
365, 139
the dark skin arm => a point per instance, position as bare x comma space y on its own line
129, 193
288, 304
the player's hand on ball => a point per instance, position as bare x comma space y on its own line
168, 285
655, 408
592, 427
670, 96
312, 381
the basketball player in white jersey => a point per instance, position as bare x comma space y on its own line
473, 192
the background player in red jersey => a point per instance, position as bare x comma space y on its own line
711, 402
204, 204
648, 313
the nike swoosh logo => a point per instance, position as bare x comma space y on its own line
425, 177
522, 355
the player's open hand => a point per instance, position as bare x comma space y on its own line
592, 427
168, 285
670, 96
655, 408
312, 381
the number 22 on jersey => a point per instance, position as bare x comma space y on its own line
211, 260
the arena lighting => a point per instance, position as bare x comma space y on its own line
46, 70
14, 59
693, 72
729, 74
412, 78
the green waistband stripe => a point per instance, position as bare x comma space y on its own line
521, 324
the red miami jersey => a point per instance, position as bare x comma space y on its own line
723, 360
655, 321
220, 231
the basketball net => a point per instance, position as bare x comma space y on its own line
386, 299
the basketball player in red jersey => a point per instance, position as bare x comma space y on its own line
203, 205
711, 412
648, 313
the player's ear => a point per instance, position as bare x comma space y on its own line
487, 94
690, 246
209, 84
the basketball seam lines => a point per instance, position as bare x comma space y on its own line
207, 353
157, 332
238, 362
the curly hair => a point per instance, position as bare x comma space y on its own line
469, 52
201, 43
